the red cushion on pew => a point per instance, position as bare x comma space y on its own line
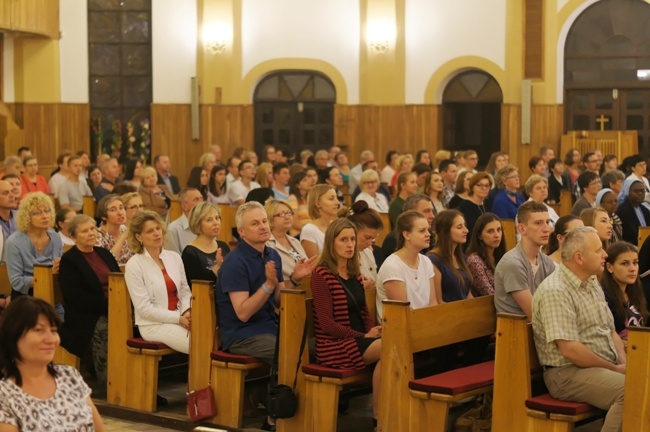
324, 371
456, 381
141, 343
232, 358
547, 403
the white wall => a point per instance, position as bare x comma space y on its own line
313, 29
439, 31
561, 4
8, 70
174, 31
73, 51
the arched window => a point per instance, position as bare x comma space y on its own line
471, 106
607, 68
294, 110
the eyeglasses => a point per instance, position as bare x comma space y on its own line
370, 182
482, 185
593, 161
135, 207
594, 183
115, 209
47, 211
284, 214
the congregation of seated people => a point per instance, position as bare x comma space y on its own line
317, 218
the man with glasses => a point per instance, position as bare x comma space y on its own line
471, 162
179, 234
590, 185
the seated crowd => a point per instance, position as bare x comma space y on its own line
319, 218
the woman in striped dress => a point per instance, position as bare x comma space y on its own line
346, 336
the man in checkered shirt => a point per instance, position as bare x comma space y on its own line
583, 356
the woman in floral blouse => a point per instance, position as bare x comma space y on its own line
485, 249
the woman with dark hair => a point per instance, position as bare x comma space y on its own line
218, 186
346, 336
198, 179
94, 177
452, 277
203, 257
622, 287
563, 226
36, 394
474, 206
486, 247
342, 163
368, 224
299, 187
461, 189
572, 161
537, 165
407, 274
606, 199
388, 171
84, 284
63, 217
497, 161
333, 177
407, 185
132, 173
113, 232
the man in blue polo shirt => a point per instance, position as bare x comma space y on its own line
248, 287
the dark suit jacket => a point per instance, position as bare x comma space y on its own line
83, 297
631, 221
555, 188
176, 187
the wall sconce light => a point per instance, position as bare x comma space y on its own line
380, 35
215, 38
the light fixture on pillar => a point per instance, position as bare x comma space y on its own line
215, 38
380, 35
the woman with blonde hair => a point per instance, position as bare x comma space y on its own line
439, 156
404, 164
597, 217
264, 175
157, 284
323, 206
34, 242
155, 197
497, 161
207, 161
369, 184
434, 189
203, 257
132, 204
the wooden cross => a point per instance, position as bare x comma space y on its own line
602, 120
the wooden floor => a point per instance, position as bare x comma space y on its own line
115, 425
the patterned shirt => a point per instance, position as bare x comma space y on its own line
566, 308
107, 241
449, 194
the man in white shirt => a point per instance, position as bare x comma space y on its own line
281, 178
72, 191
233, 169
57, 179
238, 190
178, 232
355, 173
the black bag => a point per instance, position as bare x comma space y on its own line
282, 401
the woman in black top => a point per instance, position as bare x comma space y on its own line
203, 257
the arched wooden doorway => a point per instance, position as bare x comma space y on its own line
607, 69
294, 111
471, 106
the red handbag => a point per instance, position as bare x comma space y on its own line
200, 404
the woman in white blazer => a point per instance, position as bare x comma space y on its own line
157, 284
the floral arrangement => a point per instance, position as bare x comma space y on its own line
131, 139
97, 134
116, 139
138, 139
145, 140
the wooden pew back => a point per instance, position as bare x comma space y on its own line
227, 222
385, 219
204, 320
89, 206
566, 202
644, 232
406, 331
509, 233
636, 410
175, 210
5, 284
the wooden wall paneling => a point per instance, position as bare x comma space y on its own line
534, 39
36, 16
5, 13
233, 126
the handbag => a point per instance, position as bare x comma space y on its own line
200, 403
282, 401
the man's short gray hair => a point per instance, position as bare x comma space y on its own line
412, 201
575, 240
245, 208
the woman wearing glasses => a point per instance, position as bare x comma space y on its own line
507, 200
473, 207
113, 232
132, 205
369, 183
295, 264
203, 257
35, 242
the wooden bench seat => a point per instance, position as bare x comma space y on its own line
409, 404
46, 287
5, 284
515, 407
132, 373
636, 410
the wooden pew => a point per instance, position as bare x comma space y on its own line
515, 361
566, 202
406, 404
202, 334
636, 411
644, 232
227, 222
385, 218
5, 284
89, 206
175, 210
509, 233
318, 386
46, 287
132, 362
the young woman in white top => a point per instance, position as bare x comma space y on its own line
217, 186
323, 205
369, 184
407, 274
